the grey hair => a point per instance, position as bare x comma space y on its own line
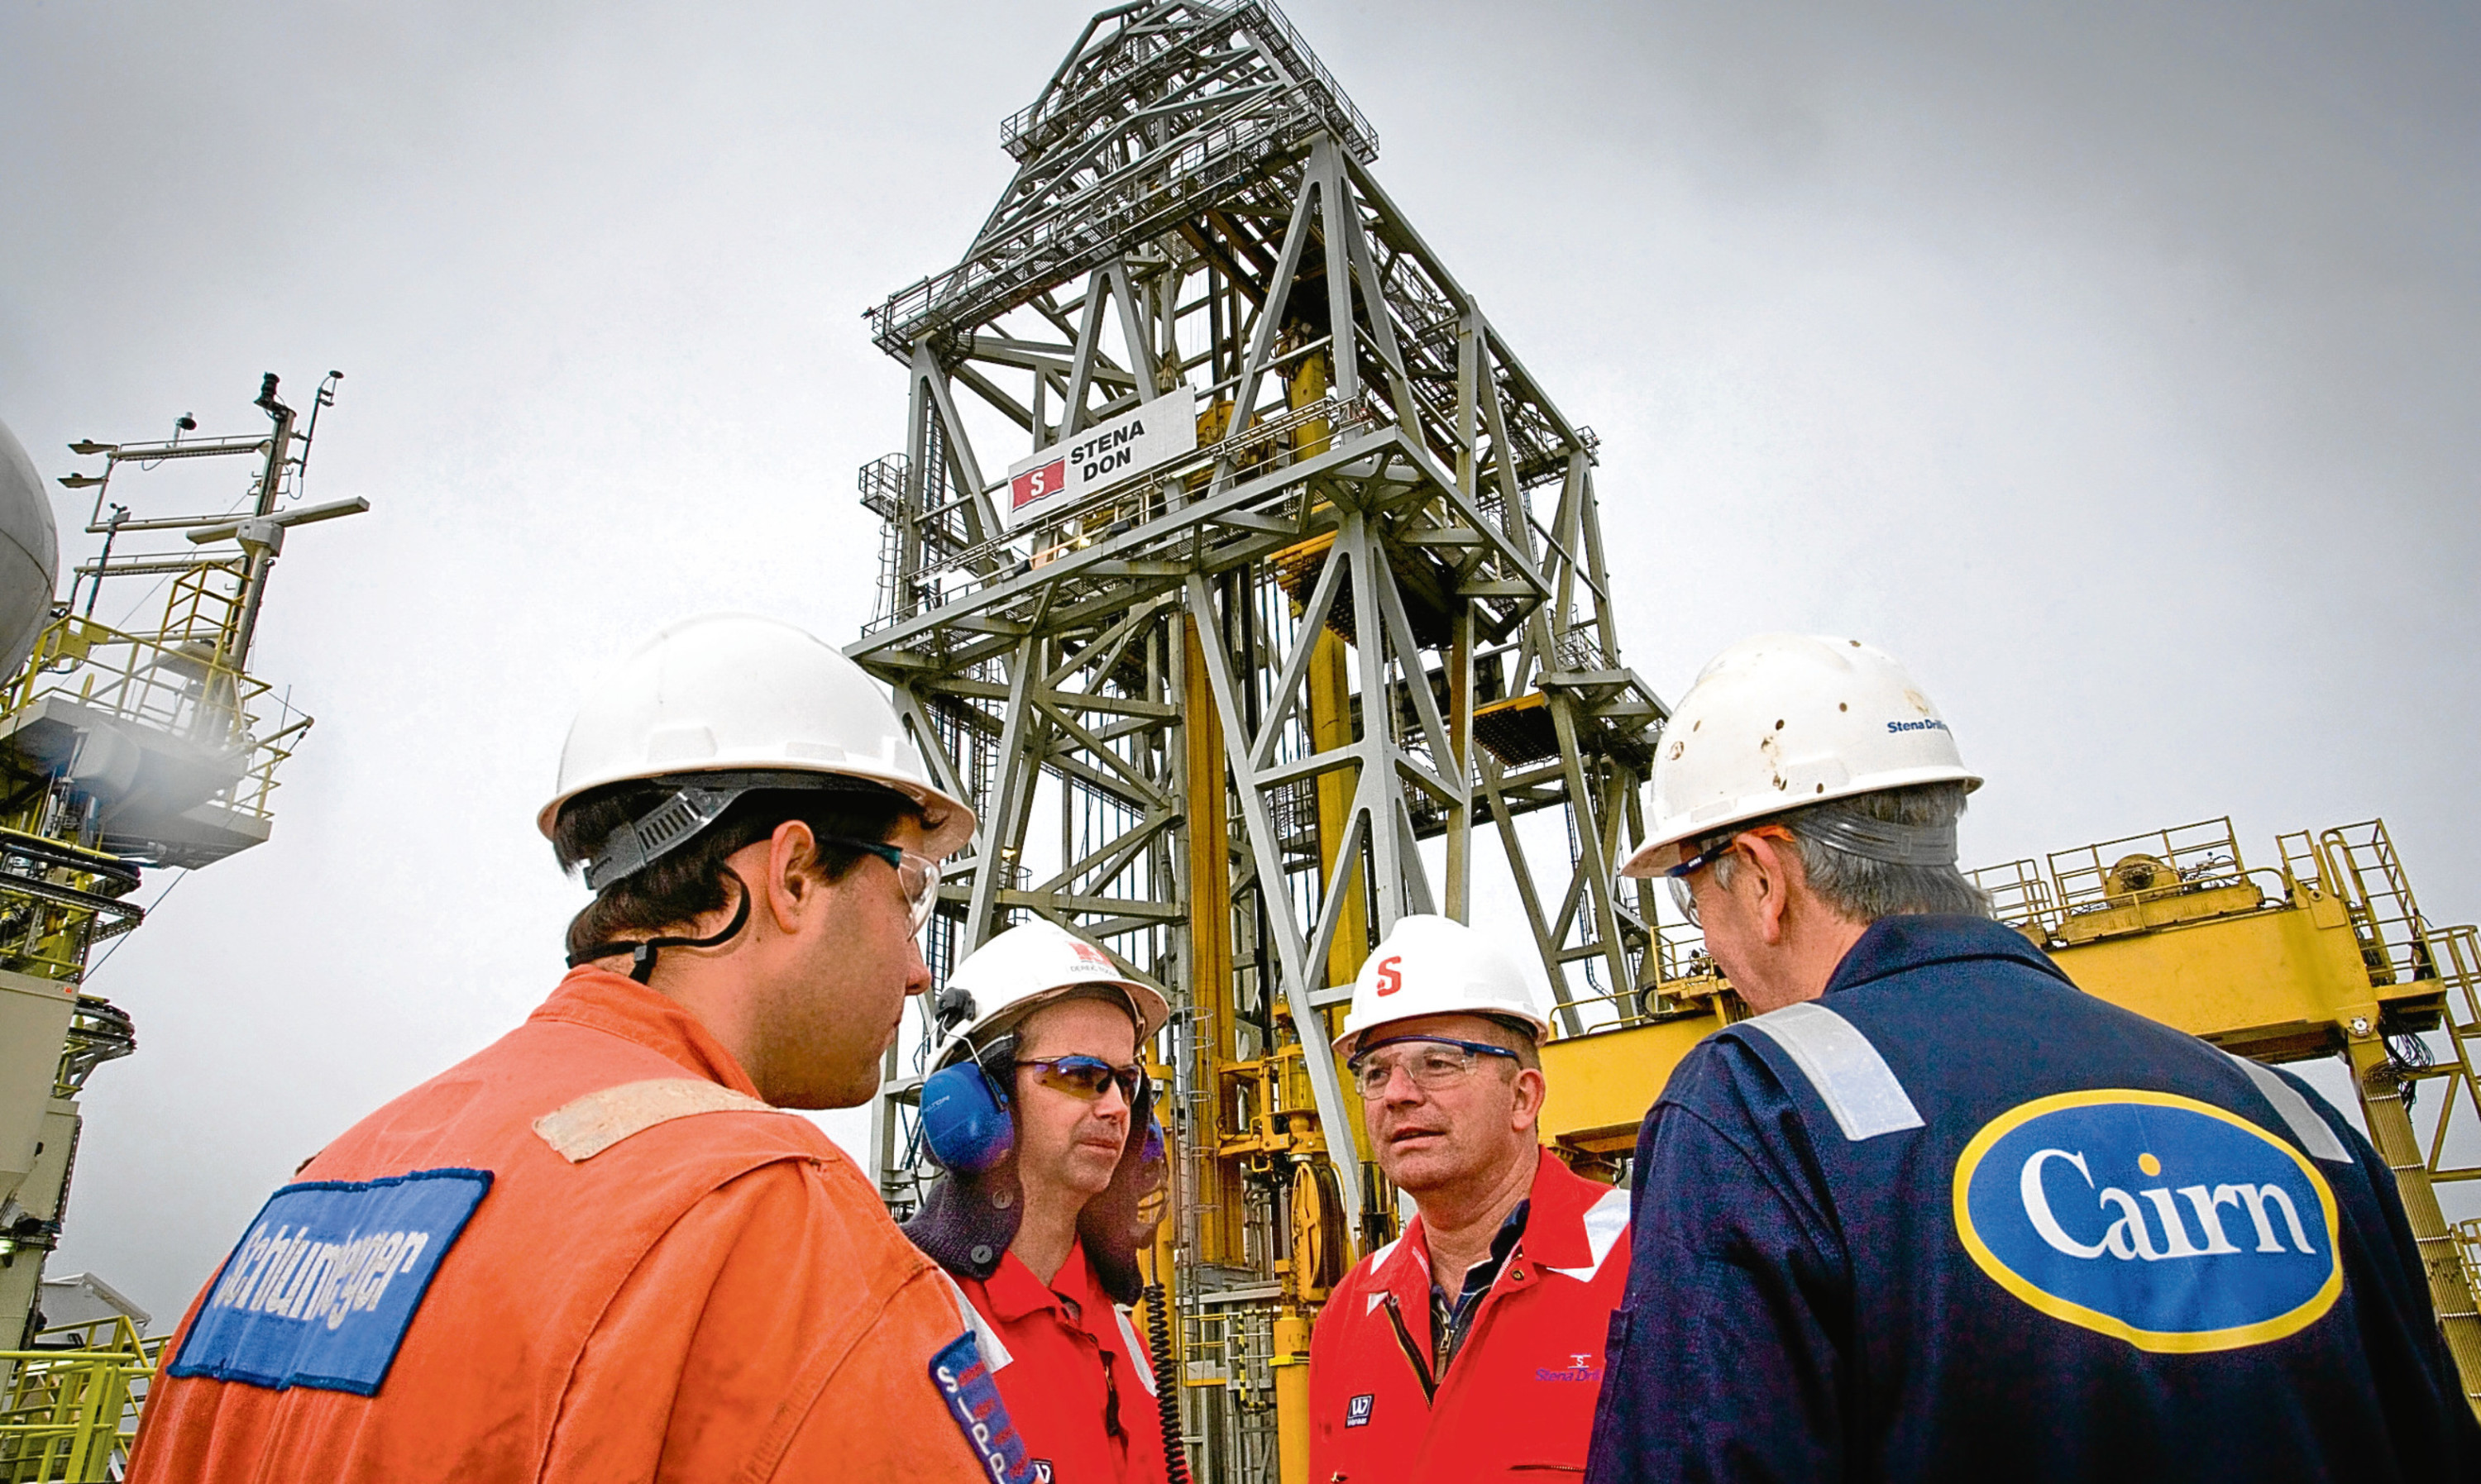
1865, 889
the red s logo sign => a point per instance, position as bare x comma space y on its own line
1037, 483
1388, 980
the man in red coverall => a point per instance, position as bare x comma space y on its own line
1039, 1110
1470, 1347
599, 1249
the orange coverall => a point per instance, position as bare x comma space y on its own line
708, 1297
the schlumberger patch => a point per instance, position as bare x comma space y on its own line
320, 1292
974, 1402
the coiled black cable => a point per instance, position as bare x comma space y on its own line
1166, 1385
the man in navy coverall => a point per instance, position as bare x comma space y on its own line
1935, 1213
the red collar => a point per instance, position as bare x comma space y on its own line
618, 1005
1555, 1233
1014, 1291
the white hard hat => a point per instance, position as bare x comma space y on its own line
1437, 966
736, 692
1782, 720
1017, 972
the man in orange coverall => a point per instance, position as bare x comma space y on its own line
599, 1249
1470, 1347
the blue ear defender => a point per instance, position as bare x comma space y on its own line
965, 1120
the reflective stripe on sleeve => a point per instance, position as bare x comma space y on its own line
595, 1122
1606, 1221
1138, 1353
1846, 1070
986, 1338
2315, 1133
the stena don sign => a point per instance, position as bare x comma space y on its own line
2153, 1218
1148, 434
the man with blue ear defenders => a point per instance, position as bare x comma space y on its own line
1040, 1111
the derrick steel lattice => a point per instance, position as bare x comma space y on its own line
1268, 686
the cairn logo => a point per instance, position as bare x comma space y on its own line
1356, 1411
2153, 1218
1391, 978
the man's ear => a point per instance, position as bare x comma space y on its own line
794, 881
1531, 1089
1777, 868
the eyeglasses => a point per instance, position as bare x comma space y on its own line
1432, 1063
916, 875
1681, 897
1085, 1077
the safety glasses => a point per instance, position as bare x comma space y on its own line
1682, 896
916, 875
1085, 1077
1686, 899
1432, 1063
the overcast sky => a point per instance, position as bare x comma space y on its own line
2113, 366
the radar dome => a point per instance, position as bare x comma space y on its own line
30, 554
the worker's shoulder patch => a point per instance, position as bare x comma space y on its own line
322, 1289
973, 1395
588, 1126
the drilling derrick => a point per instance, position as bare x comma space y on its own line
1237, 571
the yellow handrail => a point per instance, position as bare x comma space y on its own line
70, 1414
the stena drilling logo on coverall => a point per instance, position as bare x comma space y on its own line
2153, 1218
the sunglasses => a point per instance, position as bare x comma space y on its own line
1085, 1077
916, 875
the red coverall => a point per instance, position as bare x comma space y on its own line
1070, 1351
708, 1297
1518, 1399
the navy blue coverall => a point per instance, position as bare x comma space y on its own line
1958, 1220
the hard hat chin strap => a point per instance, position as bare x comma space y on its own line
641, 955
1877, 840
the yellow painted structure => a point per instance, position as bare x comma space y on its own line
69, 1409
